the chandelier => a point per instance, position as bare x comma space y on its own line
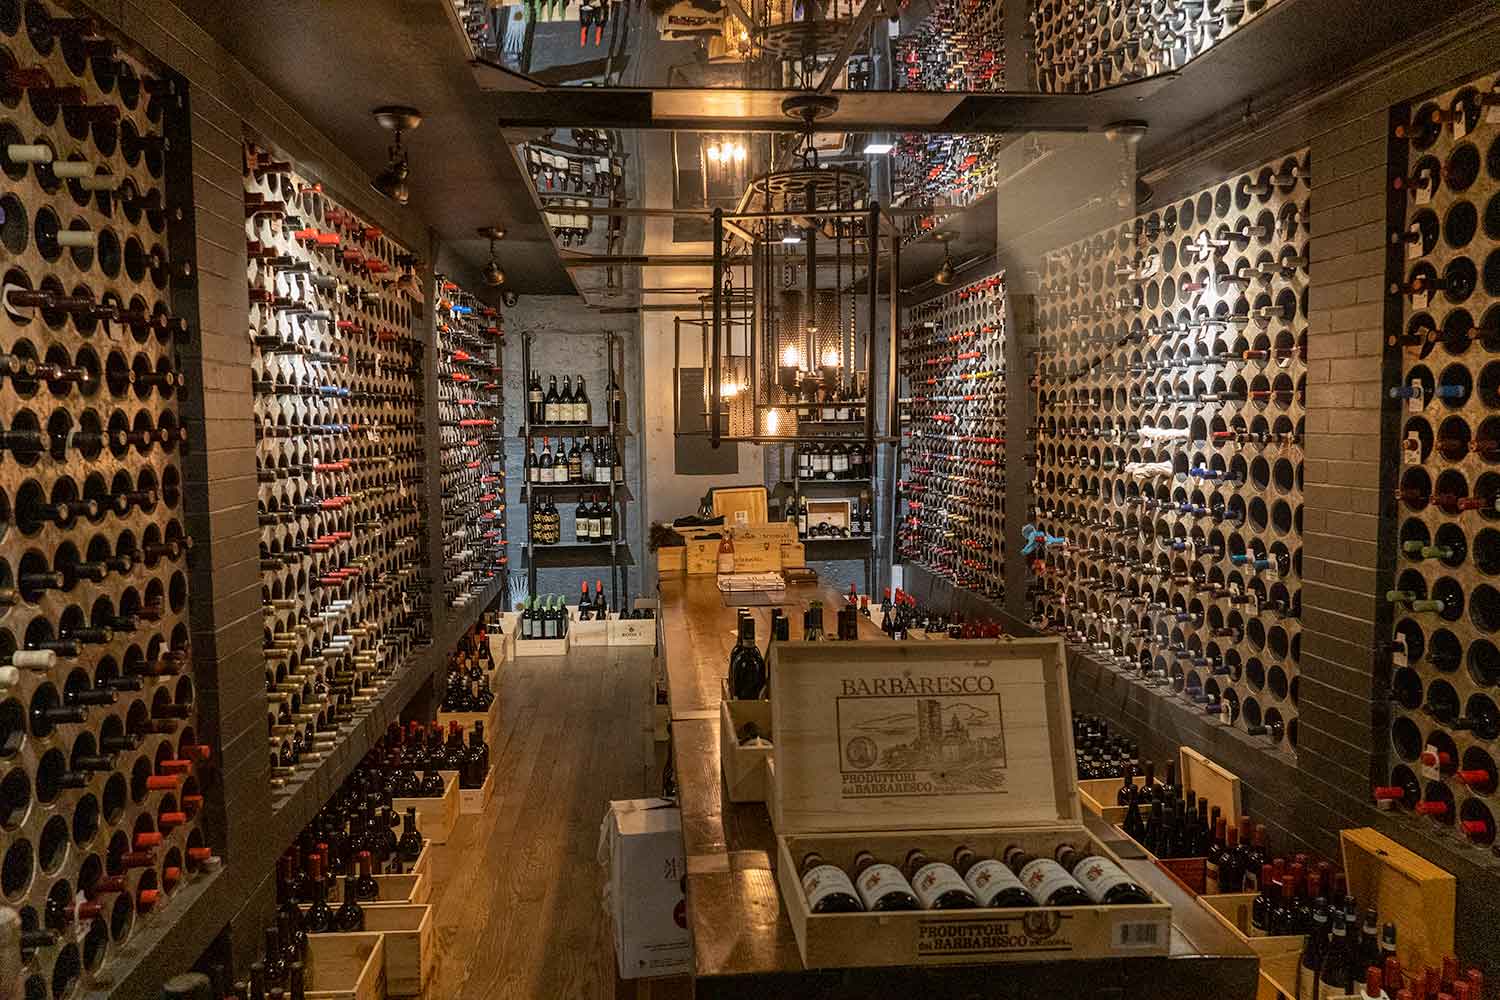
783, 327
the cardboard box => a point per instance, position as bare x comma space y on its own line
890, 746
641, 842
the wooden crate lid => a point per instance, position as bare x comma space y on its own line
876, 735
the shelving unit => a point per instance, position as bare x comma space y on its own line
615, 553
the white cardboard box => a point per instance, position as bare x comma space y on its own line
641, 843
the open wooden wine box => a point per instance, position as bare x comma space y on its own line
886, 747
744, 766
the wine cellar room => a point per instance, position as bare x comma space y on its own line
724, 498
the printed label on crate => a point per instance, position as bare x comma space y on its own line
1040, 931
1130, 935
920, 736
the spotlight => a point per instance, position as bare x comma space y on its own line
391, 181
494, 276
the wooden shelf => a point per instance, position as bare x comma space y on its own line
573, 554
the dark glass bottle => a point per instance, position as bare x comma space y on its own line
350, 916
827, 887
1103, 880
365, 886
993, 884
1045, 879
937, 885
319, 919
881, 886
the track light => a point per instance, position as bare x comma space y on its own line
391, 181
494, 276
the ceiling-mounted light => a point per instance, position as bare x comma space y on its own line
391, 181
494, 276
944, 275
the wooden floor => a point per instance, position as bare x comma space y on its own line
516, 898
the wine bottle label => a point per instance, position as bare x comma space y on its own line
1098, 876
879, 881
989, 878
934, 879
824, 881
1043, 876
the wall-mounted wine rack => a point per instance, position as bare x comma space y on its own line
102, 767
1084, 46
951, 495
470, 411
1446, 595
340, 457
1170, 378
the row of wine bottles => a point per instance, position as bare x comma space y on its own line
597, 461
571, 406
1017, 877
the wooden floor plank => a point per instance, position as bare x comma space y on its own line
516, 901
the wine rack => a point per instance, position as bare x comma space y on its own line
951, 496
337, 379
959, 45
1083, 46
1170, 379
1446, 665
470, 410
102, 762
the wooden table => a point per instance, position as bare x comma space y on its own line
743, 945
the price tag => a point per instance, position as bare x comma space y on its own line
1430, 768
1417, 401
1139, 934
1424, 193
1414, 248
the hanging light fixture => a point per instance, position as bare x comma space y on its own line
391, 181
944, 275
494, 276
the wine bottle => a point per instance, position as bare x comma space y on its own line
1046, 880
993, 884
1104, 881
882, 887
827, 887
937, 885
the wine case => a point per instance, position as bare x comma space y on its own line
889, 746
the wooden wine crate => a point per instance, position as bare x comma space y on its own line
502, 648
1280, 954
542, 647
490, 717
671, 559
410, 946
741, 506
472, 801
406, 889
1406, 888
590, 633
435, 815
345, 966
889, 746
744, 767
703, 556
